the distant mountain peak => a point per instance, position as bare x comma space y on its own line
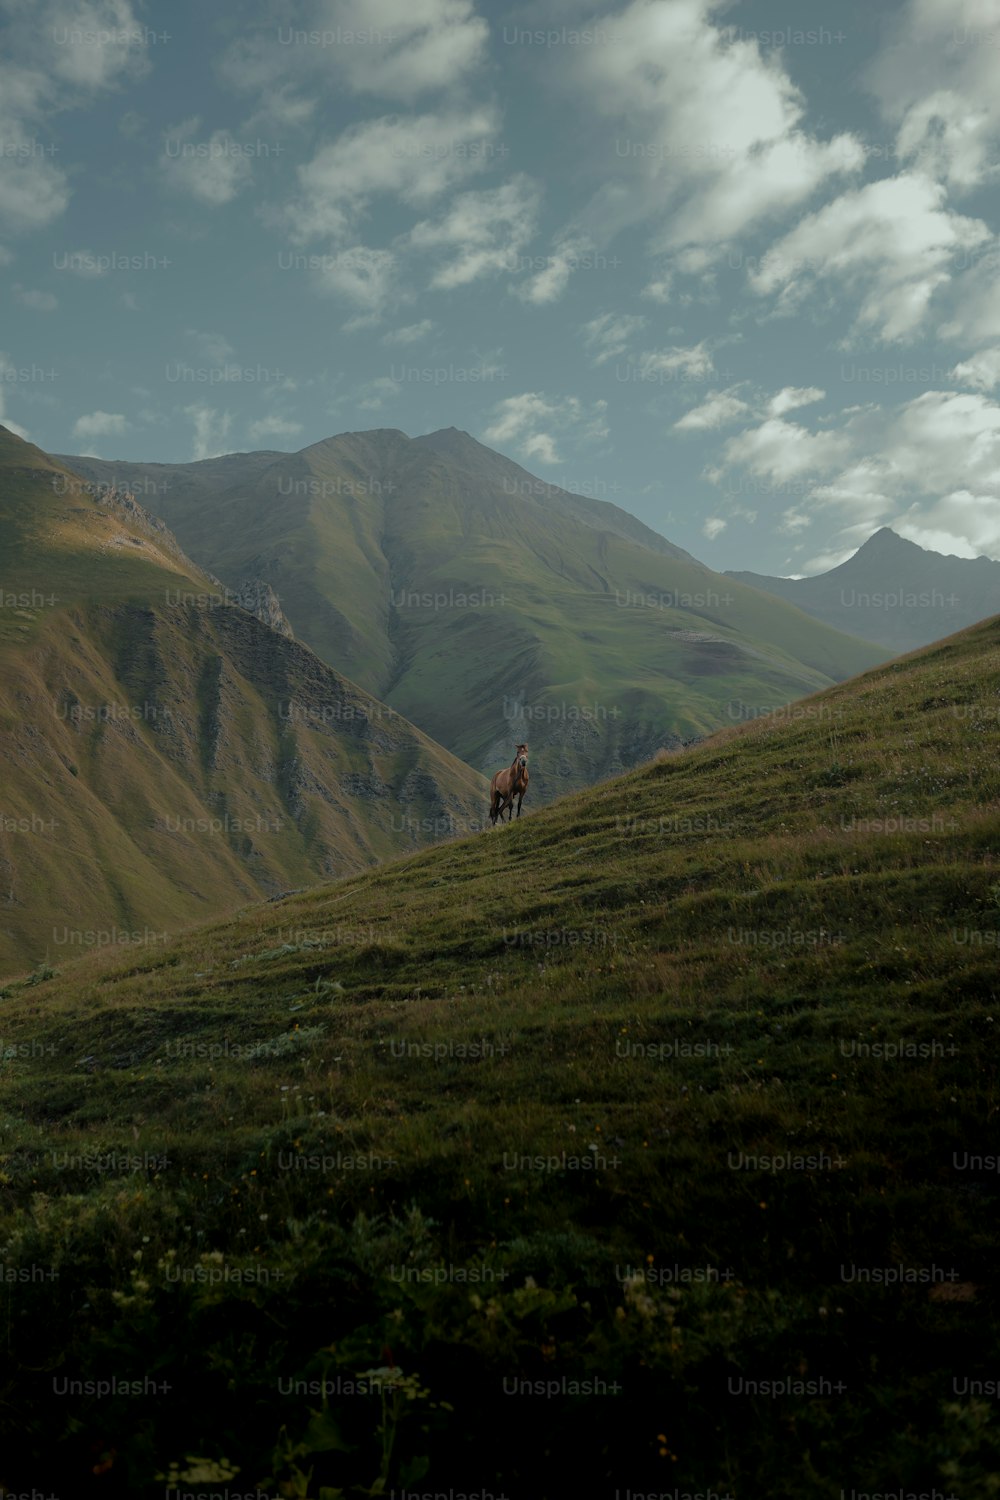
884, 538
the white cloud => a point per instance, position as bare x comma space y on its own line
99, 424
36, 301
783, 450
33, 192
398, 49
676, 363
424, 44
607, 336
211, 431
480, 232
275, 426
892, 243
714, 527
94, 43
930, 468
551, 273
411, 333
214, 171
793, 397
974, 312
376, 393
659, 291
415, 158
936, 81
711, 136
720, 409
534, 424
793, 521
56, 56
212, 346
364, 275
981, 371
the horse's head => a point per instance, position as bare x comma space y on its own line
521, 758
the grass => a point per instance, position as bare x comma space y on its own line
678, 1087
599, 647
165, 760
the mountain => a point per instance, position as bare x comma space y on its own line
489, 606
165, 753
673, 1099
893, 593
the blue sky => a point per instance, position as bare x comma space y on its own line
735, 268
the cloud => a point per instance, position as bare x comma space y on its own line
211, 346
981, 371
659, 291
711, 138
607, 336
936, 81
480, 232
424, 44
36, 301
930, 468
213, 171
376, 393
720, 409
782, 450
56, 57
676, 363
414, 158
363, 275
534, 424
412, 333
974, 311
94, 43
793, 397
714, 527
273, 427
99, 424
398, 49
552, 272
892, 244
211, 431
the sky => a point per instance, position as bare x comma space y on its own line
733, 267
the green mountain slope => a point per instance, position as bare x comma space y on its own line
663, 1121
489, 607
893, 592
165, 754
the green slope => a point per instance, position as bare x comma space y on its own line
165, 755
491, 607
687, 1081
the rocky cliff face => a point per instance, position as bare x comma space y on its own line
257, 596
122, 502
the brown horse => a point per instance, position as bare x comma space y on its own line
506, 785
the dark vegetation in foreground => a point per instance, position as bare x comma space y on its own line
745, 1000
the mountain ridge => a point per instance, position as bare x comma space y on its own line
893, 592
160, 736
489, 606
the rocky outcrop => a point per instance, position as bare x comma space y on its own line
257, 596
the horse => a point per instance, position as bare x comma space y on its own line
508, 784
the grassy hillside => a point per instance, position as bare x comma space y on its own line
646, 1145
164, 754
490, 607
